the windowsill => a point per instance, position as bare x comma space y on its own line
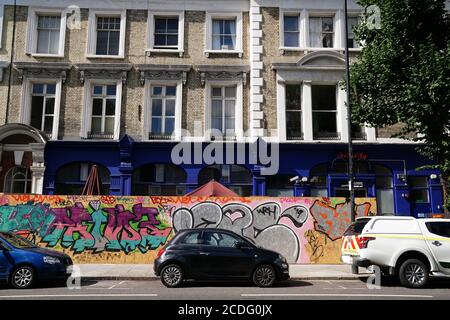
238, 52
94, 56
47, 55
153, 50
312, 49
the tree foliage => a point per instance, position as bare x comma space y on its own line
403, 75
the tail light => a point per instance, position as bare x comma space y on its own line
364, 241
160, 252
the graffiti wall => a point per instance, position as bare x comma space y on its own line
108, 229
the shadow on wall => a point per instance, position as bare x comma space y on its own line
114, 229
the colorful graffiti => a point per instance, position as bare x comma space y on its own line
131, 229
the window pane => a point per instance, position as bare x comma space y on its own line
192, 238
36, 112
172, 40
229, 108
157, 91
160, 25
229, 27
327, 24
216, 108
54, 42
217, 26
169, 125
102, 43
293, 97
109, 125
156, 125
230, 92
291, 23
418, 182
293, 125
38, 88
114, 39
324, 122
323, 97
216, 40
327, 40
291, 39
98, 90
160, 40
228, 41
96, 125
216, 92
43, 41
172, 26
385, 201
97, 106
50, 105
110, 107
111, 90
419, 195
156, 107
315, 32
48, 124
171, 91
51, 88
170, 107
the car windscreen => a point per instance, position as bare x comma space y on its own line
356, 227
17, 241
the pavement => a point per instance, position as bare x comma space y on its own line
145, 272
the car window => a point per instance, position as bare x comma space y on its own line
17, 241
356, 227
220, 239
439, 228
192, 238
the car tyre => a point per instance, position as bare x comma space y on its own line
264, 276
414, 273
23, 277
172, 276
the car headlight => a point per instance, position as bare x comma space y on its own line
282, 259
51, 260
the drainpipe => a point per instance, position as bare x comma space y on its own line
11, 60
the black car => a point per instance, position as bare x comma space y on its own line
216, 254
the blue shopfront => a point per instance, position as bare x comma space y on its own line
385, 171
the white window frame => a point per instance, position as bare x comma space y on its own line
151, 31
301, 33
339, 111
25, 110
336, 28
210, 16
87, 106
92, 32
147, 113
2, 8
239, 123
353, 15
32, 32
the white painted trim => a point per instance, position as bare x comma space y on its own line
32, 34
146, 113
284, 12
239, 116
281, 109
151, 31
87, 106
2, 9
92, 32
25, 109
341, 108
307, 111
208, 32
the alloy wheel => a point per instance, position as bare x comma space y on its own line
264, 276
172, 275
414, 274
23, 277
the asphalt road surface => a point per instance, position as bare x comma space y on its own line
292, 289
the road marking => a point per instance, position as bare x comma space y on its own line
333, 295
80, 295
117, 284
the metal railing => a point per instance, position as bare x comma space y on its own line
100, 135
327, 135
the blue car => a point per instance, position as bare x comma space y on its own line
22, 263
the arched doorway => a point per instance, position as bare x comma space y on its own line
22, 164
235, 177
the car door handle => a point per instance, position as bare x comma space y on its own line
204, 253
437, 243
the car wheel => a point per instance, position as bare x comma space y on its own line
264, 276
23, 277
172, 276
413, 273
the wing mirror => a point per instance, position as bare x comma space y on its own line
240, 245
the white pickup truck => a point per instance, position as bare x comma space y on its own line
412, 249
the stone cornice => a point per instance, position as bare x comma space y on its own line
163, 72
42, 70
223, 72
115, 71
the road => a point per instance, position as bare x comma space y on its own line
292, 289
